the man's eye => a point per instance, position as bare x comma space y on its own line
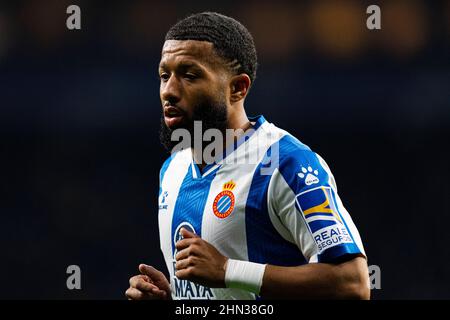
164, 76
190, 76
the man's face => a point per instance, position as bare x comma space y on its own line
191, 74
194, 87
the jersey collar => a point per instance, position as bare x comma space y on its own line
258, 120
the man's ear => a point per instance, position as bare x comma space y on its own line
239, 86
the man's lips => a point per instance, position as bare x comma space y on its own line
173, 116
172, 111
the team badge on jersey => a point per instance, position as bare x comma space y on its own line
224, 202
322, 217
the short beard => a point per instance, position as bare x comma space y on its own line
211, 115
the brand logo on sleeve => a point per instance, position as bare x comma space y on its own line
309, 175
322, 217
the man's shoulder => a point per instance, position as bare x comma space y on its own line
299, 166
289, 146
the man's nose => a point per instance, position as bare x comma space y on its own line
171, 90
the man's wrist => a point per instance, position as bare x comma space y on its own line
244, 275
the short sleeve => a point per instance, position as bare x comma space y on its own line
303, 196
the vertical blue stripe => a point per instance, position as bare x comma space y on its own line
191, 202
264, 243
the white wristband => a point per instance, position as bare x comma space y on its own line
244, 275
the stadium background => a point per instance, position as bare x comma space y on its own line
80, 114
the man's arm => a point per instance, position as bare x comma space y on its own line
201, 262
345, 280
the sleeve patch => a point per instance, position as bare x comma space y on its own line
319, 210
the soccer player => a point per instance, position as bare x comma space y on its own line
269, 227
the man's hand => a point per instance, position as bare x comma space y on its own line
150, 284
199, 261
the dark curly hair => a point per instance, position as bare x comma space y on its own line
231, 40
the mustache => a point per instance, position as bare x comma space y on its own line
212, 115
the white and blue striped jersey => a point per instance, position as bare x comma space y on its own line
282, 208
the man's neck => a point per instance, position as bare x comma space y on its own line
239, 123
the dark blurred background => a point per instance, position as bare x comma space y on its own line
79, 119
